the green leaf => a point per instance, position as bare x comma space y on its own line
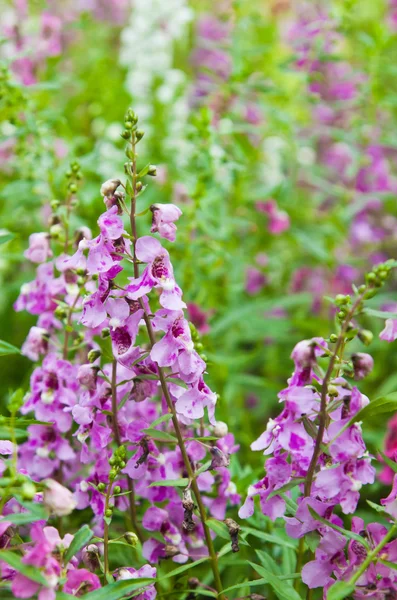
288, 486
6, 236
345, 532
160, 435
283, 590
6, 348
382, 314
219, 527
252, 583
119, 589
80, 539
379, 406
184, 568
391, 463
267, 537
163, 419
268, 562
170, 483
340, 590
28, 571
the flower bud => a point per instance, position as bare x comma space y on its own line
131, 538
28, 490
234, 529
58, 499
152, 170
93, 355
220, 429
219, 458
55, 231
365, 336
109, 187
87, 376
362, 364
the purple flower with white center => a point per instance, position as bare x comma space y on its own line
163, 219
158, 273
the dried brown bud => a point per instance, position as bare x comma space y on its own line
188, 505
234, 529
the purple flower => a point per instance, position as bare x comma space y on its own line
81, 581
163, 219
362, 364
149, 592
58, 499
389, 333
158, 273
39, 248
36, 343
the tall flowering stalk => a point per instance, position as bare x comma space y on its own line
316, 446
100, 430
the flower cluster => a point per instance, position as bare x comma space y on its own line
120, 417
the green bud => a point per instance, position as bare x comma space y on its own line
101, 487
75, 167
93, 355
332, 391
112, 474
339, 299
105, 332
138, 186
55, 204
128, 125
152, 170
112, 461
199, 347
370, 277
204, 357
341, 315
131, 538
365, 336
122, 464
116, 489
108, 512
28, 490
126, 134
55, 231
60, 312
72, 188
362, 289
68, 174
139, 134
333, 338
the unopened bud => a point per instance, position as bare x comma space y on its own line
362, 364
219, 458
131, 538
105, 332
152, 170
55, 230
60, 312
28, 490
93, 355
139, 134
365, 336
220, 429
109, 187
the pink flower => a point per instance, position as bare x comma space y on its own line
149, 592
362, 364
58, 499
81, 581
163, 219
39, 248
389, 333
158, 273
36, 343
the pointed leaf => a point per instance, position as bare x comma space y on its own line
340, 590
81, 539
28, 571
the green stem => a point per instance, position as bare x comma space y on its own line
323, 402
116, 433
165, 391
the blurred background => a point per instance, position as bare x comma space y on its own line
273, 126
